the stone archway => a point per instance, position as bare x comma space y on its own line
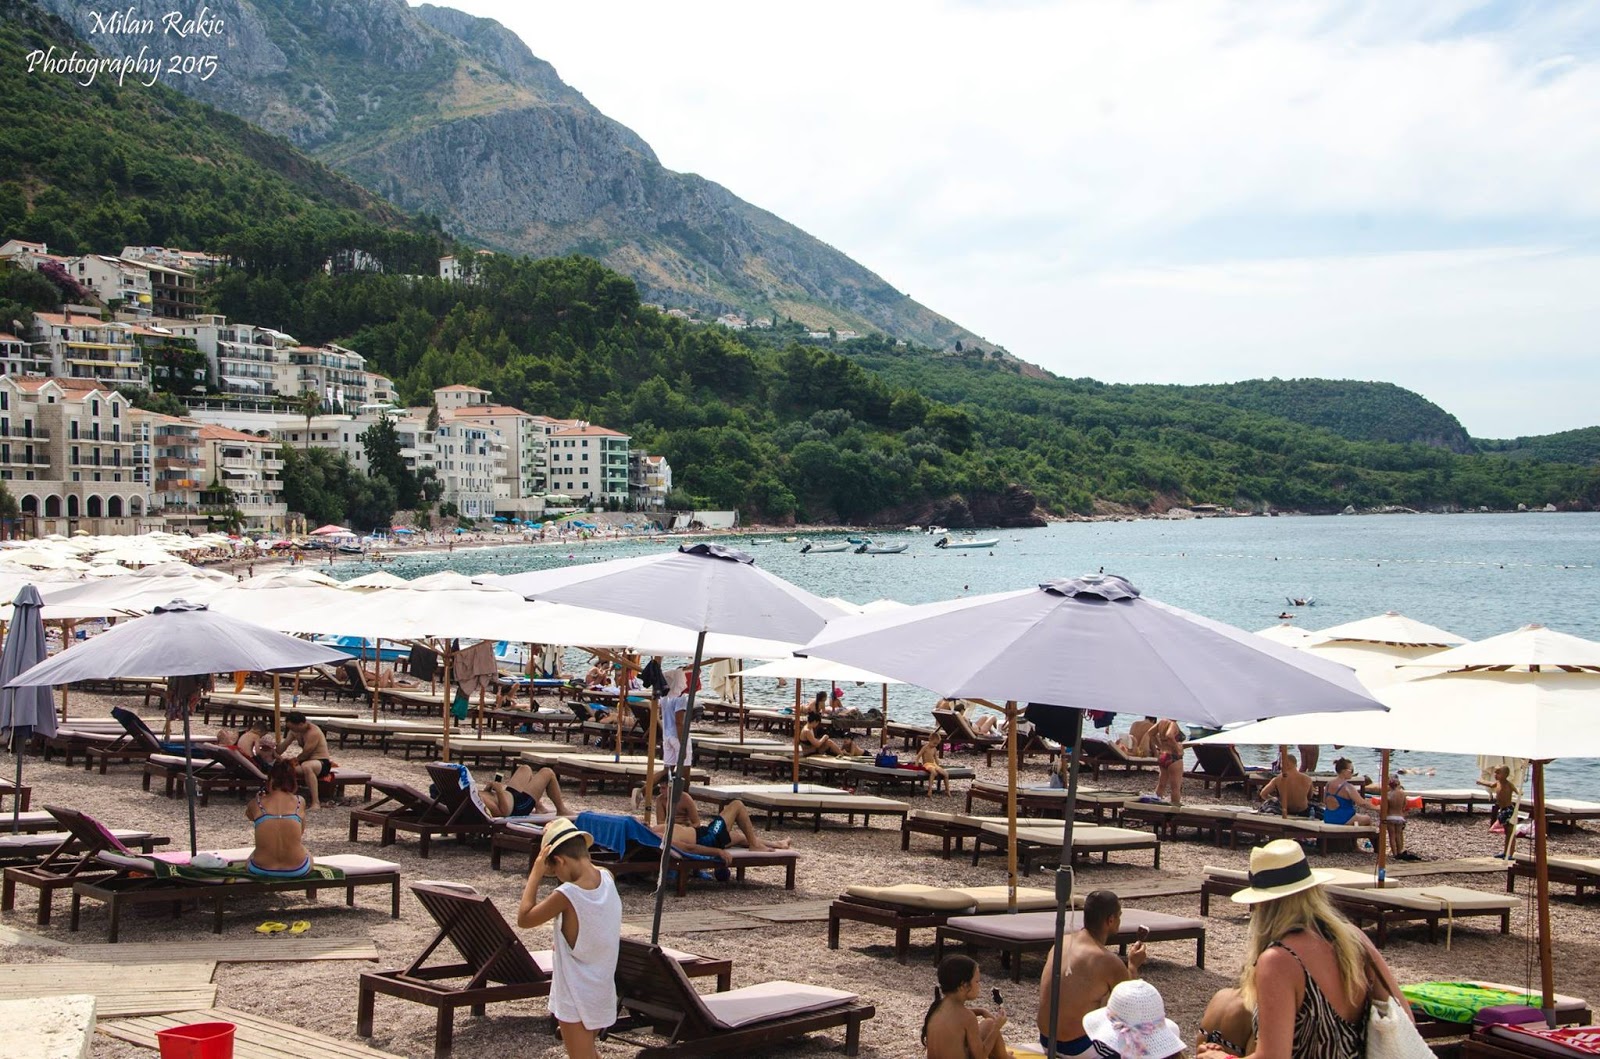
114, 507
29, 504
94, 507
73, 507
52, 507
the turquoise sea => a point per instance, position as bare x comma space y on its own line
1476, 575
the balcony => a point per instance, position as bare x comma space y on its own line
167, 463
25, 432
25, 459
240, 463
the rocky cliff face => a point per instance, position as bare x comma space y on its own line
440, 111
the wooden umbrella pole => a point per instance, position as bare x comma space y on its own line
376, 677
1541, 857
277, 706
1011, 808
1283, 803
445, 717
883, 729
797, 683
1383, 816
481, 691
650, 759
67, 629
741, 703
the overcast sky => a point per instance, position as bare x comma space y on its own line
1192, 191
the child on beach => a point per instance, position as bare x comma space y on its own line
951, 1030
1394, 819
928, 758
588, 915
1505, 798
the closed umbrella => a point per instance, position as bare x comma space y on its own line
179, 639
1091, 642
704, 588
24, 711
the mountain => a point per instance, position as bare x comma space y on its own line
1360, 411
452, 115
1568, 446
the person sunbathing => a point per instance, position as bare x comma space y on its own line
1339, 807
258, 746
313, 760
1289, 791
1137, 742
519, 794
730, 827
928, 758
814, 741
279, 816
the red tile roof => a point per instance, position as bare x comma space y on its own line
212, 432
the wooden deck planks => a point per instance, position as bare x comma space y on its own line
118, 988
254, 1037
1183, 886
691, 922
256, 950
793, 912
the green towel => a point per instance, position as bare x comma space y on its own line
1460, 1002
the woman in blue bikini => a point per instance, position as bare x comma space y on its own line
1339, 805
279, 816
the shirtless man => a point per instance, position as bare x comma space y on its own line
313, 759
1137, 741
1291, 787
731, 827
814, 741
1166, 740
1089, 971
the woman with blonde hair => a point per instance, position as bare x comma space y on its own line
1309, 974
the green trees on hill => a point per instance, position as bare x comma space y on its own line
1360, 411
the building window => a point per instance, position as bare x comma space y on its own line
116, 410
94, 407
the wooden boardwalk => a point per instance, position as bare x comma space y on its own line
255, 949
254, 1037
118, 988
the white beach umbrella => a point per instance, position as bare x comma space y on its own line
1530, 647
135, 593
1091, 642
1287, 634
376, 579
1392, 627
1375, 647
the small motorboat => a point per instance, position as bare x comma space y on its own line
868, 548
966, 542
859, 540
819, 549
934, 531
350, 549
759, 540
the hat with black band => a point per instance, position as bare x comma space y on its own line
1278, 869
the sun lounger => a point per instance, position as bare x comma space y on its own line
1103, 753
1581, 872
137, 743
911, 736
1036, 932
1428, 904
1225, 882
1565, 812
600, 770
1467, 798
1093, 804
1531, 1041
31, 848
636, 850
1166, 820
862, 772
495, 967
776, 804
168, 879
912, 906
1036, 845
28, 823
23, 794
402, 807
71, 858
951, 829
515, 837
1268, 826
959, 734
1220, 766
71, 740
748, 1021
1449, 1008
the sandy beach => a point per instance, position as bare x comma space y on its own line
323, 995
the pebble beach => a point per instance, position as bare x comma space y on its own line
322, 995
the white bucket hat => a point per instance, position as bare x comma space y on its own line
1278, 869
1134, 1023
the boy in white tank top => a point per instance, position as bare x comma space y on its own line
588, 915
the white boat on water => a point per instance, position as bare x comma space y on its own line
966, 542
868, 548
818, 549
934, 531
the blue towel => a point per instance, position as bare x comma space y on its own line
615, 832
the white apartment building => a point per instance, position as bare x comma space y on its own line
337, 374
67, 453
80, 346
245, 358
649, 480
18, 357
522, 435
167, 452
589, 462
469, 460
114, 279
242, 471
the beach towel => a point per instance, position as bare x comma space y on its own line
616, 832
1584, 1040
1460, 1002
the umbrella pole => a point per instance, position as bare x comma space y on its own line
446, 700
1283, 803
188, 778
16, 791
676, 789
883, 730
797, 683
1383, 814
741, 705
376, 678
1547, 977
481, 691
622, 704
1064, 879
650, 758
1011, 807
277, 707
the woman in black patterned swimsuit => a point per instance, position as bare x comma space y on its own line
1309, 974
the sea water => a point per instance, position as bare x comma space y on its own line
1474, 575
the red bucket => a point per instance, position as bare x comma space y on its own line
200, 1040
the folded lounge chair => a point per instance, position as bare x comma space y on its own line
169, 879
910, 906
636, 850
495, 967
1036, 932
746, 1021
72, 858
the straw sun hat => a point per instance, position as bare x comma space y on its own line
1134, 1023
1278, 869
559, 830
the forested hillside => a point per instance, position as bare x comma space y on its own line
1360, 411
1568, 446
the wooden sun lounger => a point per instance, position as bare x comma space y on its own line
1579, 872
125, 889
402, 807
1036, 845
514, 837
1468, 798
1028, 932
1166, 820
1104, 753
495, 967
1220, 766
1266, 826
599, 771
23, 794
911, 736
951, 829
910, 906
775, 805
1096, 805
958, 732
1225, 882
72, 858
643, 856
749, 1021
1565, 812
729, 753
1390, 905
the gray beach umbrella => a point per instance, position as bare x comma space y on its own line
1090, 643
705, 588
24, 711
180, 639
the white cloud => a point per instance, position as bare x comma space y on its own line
1004, 163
